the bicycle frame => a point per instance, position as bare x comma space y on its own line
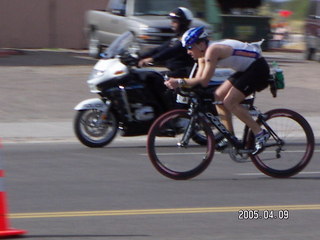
214, 120
240, 145
197, 110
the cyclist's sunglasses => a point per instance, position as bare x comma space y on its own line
189, 47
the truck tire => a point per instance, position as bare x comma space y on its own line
94, 47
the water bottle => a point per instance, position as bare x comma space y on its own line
278, 73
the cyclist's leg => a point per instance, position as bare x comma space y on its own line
232, 98
225, 114
232, 103
255, 78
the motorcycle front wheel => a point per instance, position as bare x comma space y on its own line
94, 130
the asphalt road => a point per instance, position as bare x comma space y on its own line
67, 191
59, 189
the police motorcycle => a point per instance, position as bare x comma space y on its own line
129, 98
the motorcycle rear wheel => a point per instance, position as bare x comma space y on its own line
92, 130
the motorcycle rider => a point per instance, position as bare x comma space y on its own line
172, 53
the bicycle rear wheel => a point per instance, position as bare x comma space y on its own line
289, 155
169, 155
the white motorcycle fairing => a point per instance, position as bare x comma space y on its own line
104, 70
93, 103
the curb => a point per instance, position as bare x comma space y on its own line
9, 52
37, 132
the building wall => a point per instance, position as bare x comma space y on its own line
45, 23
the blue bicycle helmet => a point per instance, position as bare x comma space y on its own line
193, 35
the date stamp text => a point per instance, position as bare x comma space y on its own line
251, 214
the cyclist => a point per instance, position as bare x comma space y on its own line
172, 53
252, 73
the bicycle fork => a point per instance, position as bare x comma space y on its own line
187, 134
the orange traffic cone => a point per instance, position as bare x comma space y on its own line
5, 230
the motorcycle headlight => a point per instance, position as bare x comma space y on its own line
96, 73
91, 83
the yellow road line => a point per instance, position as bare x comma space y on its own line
161, 211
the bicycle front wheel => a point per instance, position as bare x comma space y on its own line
288, 155
171, 150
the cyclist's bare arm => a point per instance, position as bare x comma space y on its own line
208, 64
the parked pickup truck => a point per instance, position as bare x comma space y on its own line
147, 19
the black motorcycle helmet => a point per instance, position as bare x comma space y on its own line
184, 16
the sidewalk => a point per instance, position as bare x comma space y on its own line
36, 132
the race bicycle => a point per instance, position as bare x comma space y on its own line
171, 139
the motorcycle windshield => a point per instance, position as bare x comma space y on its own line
119, 45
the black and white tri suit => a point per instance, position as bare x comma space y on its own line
252, 70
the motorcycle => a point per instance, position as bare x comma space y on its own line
130, 98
